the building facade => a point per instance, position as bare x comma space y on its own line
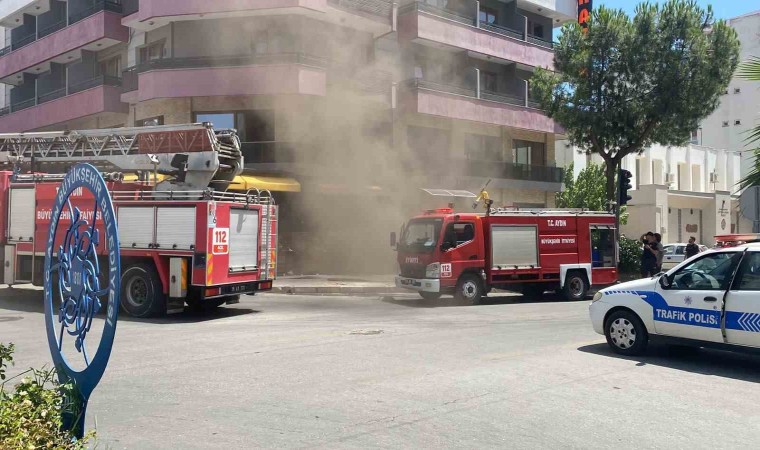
678, 192
738, 112
346, 108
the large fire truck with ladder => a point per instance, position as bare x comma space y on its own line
526, 250
185, 239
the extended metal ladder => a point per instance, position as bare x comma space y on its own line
268, 248
195, 155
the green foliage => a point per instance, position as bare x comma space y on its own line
630, 255
6, 357
629, 83
586, 191
750, 70
30, 415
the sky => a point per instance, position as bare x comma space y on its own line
724, 9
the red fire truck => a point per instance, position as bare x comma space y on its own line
532, 251
184, 239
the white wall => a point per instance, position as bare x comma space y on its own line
742, 105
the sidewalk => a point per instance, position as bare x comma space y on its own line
335, 284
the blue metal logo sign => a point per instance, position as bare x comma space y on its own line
82, 278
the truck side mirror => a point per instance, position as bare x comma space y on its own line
393, 238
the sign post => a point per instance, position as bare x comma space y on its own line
82, 277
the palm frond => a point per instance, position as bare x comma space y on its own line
750, 69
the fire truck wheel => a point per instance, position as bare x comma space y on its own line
575, 287
430, 295
469, 289
141, 291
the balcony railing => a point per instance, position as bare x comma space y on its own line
102, 80
512, 171
130, 6
472, 20
482, 94
130, 74
382, 8
52, 28
101, 5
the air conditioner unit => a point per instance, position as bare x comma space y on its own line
669, 178
713, 177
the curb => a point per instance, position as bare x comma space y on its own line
346, 290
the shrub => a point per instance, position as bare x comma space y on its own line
630, 255
31, 414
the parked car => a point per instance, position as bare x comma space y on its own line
708, 301
674, 254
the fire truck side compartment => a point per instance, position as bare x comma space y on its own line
514, 246
244, 239
22, 204
136, 224
175, 228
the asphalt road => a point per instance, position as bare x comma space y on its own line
341, 372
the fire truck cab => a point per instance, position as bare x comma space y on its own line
530, 251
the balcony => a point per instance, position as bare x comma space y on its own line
371, 15
81, 99
464, 103
428, 25
270, 157
271, 74
95, 29
511, 171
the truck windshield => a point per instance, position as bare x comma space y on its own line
421, 235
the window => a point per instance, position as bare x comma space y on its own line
488, 15
680, 249
748, 277
150, 122
695, 136
110, 67
425, 142
421, 235
152, 51
737, 90
669, 249
482, 148
535, 29
725, 123
737, 122
220, 120
488, 81
459, 233
603, 246
529, 153
711, 272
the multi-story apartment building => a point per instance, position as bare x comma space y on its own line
738, 112
347, 108
679, 192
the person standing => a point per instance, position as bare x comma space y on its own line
658, 247
691, 248
648, 256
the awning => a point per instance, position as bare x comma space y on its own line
244, 183
274, 184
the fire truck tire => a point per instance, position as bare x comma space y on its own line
469, 289
430, 295
141, 292
576, 286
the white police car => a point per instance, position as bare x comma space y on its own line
710, 300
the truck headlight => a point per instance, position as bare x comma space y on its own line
597, 296
433, 270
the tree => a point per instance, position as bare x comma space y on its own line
750, 70
628, 83
585, 191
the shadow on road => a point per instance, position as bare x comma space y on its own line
31, 301
498, 298
739, 366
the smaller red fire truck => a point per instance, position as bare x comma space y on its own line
184, 237
531, 251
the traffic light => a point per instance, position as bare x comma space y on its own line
624, 184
